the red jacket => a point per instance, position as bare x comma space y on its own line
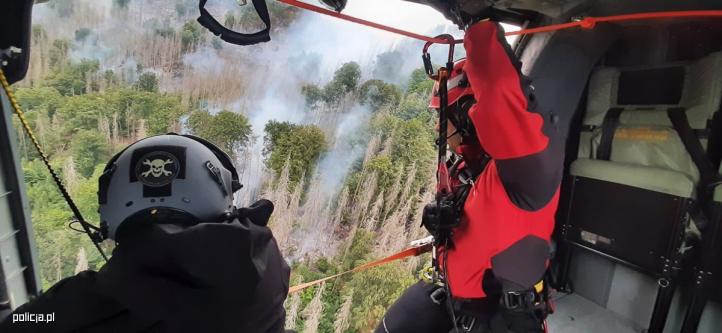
509, 213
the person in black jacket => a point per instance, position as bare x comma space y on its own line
186, 259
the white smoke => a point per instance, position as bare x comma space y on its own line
337, 162
308, 51
205, 59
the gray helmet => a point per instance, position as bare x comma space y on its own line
166, 179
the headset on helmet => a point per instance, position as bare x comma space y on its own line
166, 179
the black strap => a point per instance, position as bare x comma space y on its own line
233, 37
708, 174
609, 126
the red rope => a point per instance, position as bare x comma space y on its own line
364, 22
591, 22
410, 252
586, 23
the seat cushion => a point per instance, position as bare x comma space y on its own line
649, 178
701, 87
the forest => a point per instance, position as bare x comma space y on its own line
343, 147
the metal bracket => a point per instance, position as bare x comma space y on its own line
10, 53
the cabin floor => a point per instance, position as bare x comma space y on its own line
575, 314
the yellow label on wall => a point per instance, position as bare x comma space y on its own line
641, 134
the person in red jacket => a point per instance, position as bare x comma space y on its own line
510, 162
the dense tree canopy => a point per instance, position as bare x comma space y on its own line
147, 82
73, 79
89, 148
58, 54
228, 130
299, 145
377, 93
345, 81
419, 82
191, 35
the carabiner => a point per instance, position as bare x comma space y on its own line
426, 57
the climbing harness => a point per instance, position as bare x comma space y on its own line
92, 231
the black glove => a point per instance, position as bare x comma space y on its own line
259, 212
440, 218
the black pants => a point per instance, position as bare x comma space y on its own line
415, 312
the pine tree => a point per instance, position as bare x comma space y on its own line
293, 303
340, 207
313, 311
370, 221
371, 149
282, 220
343, 314
140, 131
104, 129
363, 197
82, 261
70, 174
393, 193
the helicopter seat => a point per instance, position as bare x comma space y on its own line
634, 184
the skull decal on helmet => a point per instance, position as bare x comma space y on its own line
157, 168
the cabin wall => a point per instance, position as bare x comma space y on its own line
631, 294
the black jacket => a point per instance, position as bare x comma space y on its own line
211, 277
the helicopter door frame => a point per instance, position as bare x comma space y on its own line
19, 278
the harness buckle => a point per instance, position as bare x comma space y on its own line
438, 296
512, 300
467, 323
529, 299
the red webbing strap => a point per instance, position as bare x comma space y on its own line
586, 23
410, 252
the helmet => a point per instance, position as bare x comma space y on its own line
457, 86
460, 100
169, 179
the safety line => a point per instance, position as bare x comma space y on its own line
591, 22
26, 126
586, 23
410, 252
349, 18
